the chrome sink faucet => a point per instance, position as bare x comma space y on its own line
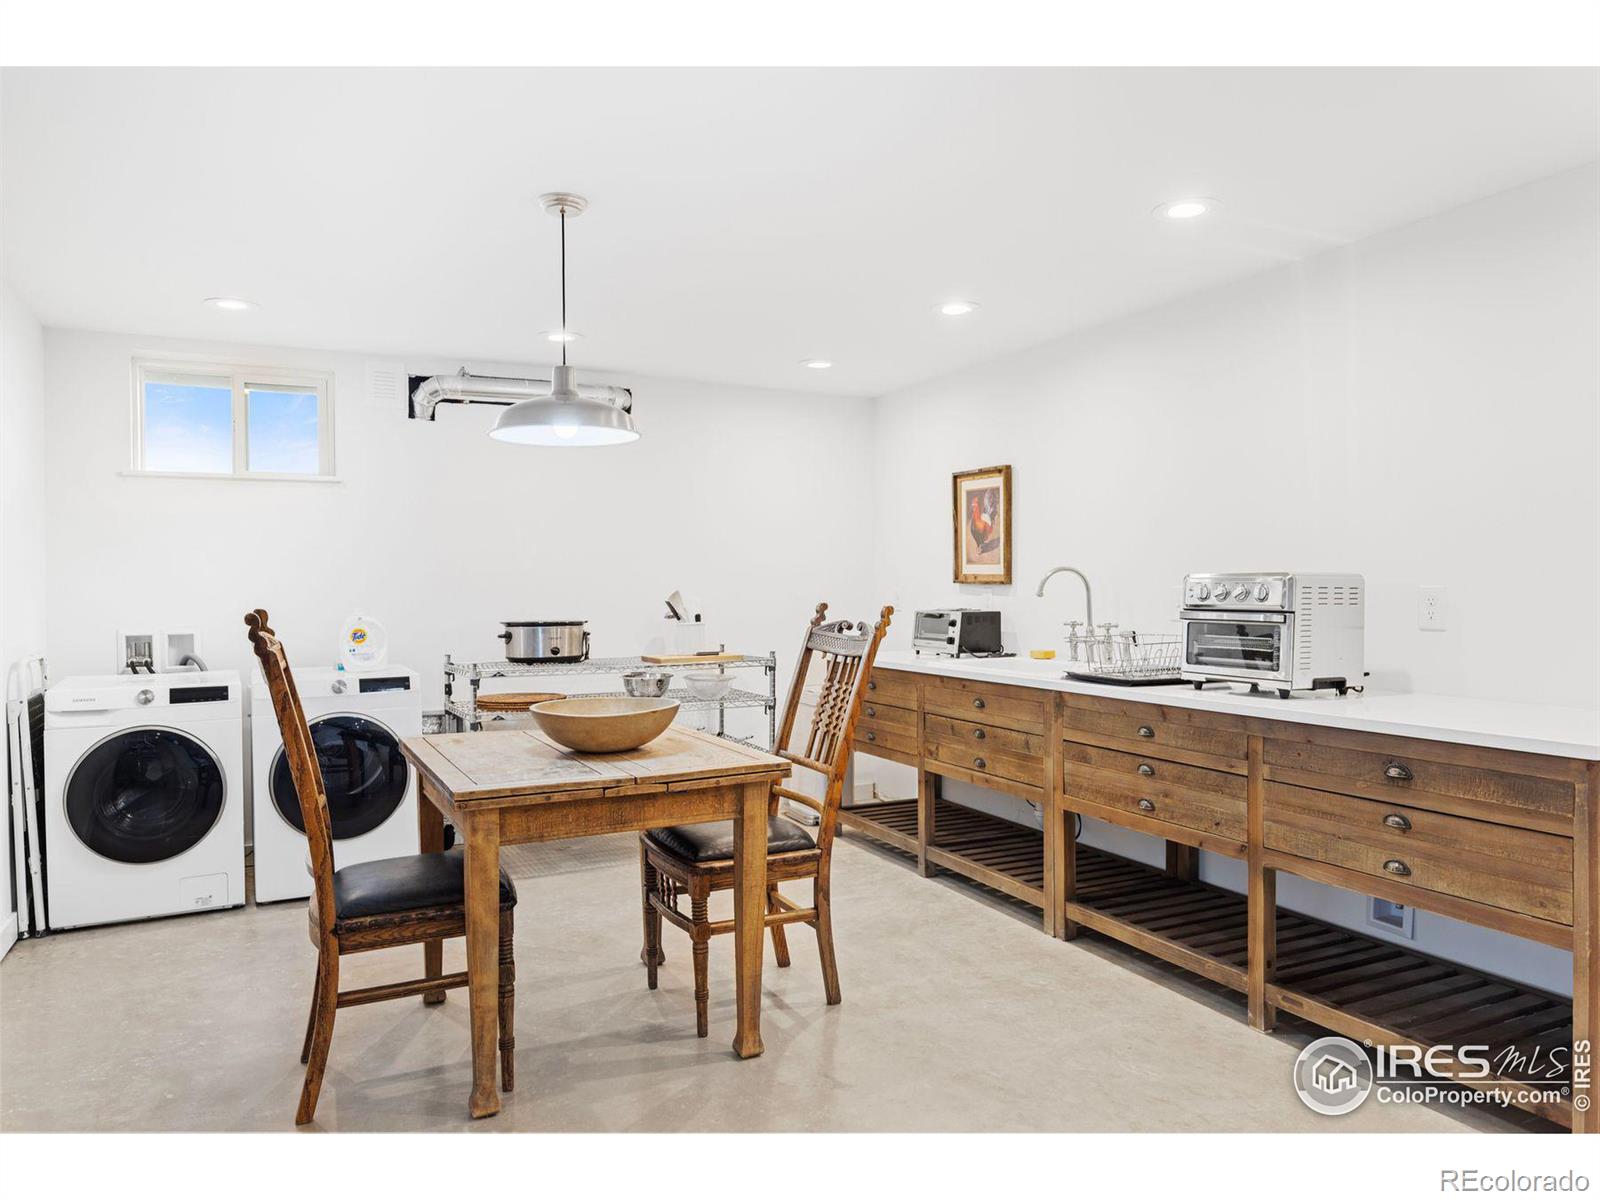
1074, 642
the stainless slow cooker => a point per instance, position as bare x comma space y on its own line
545, 641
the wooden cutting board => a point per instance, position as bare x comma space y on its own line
686, 660
517, 702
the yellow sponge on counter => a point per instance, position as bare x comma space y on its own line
1041, 653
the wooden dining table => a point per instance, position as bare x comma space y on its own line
516, 786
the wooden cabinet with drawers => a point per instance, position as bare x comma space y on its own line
1501, 839
989, 755
1497, 838
994, 736
891, 731
1173, 773
1205, 739
1194, 805
1009, 707
1526, 790
900, 688
890, 727
1415, 850
1483, 835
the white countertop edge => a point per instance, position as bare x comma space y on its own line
1556, 730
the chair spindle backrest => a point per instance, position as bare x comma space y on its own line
842, 653
301, 752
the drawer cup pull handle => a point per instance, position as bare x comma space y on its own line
977, 702
1148, 805
1396, 821
1146, 731
1395, 867
871, 736
1398, 771
979, 763
1146, 770
979, 734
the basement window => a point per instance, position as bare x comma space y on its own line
231, 421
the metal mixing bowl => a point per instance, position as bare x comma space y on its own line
646, 683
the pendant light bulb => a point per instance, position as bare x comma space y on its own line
564, 417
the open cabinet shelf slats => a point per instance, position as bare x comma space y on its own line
1365, 988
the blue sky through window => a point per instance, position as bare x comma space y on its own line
283, 432
188, 427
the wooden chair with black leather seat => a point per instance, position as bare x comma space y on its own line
697, 860
415, 899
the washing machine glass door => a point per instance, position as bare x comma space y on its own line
363, 773
144, 795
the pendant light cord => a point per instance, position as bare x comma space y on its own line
564, 285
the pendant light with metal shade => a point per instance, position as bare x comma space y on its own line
564, 418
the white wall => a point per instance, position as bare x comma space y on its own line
1422, 407
22, 544
751, 502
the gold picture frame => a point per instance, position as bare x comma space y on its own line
980, 519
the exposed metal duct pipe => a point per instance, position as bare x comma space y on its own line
462, 388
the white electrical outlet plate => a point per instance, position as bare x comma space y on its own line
1433, 609
1398, 919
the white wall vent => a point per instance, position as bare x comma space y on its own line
386, 387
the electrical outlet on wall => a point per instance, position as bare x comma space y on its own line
1395, 918
1433, 608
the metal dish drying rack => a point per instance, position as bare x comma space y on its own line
462, 714
1131, 659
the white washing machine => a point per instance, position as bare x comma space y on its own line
357, 719
144, 796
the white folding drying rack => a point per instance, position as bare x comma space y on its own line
26, 680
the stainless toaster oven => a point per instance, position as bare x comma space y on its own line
1281, 631
957, 631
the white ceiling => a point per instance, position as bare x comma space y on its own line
741, 220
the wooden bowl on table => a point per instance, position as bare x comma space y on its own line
604, 724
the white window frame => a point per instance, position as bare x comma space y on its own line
242, 377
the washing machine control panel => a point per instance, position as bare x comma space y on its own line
203, 694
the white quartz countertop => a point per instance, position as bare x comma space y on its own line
1502, 724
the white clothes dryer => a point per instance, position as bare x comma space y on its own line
357, 719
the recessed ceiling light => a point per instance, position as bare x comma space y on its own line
1185, 210
231, 303
957, 308
559, 335
816, 364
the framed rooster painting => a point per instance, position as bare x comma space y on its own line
982, 517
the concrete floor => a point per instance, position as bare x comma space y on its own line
958, 1014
